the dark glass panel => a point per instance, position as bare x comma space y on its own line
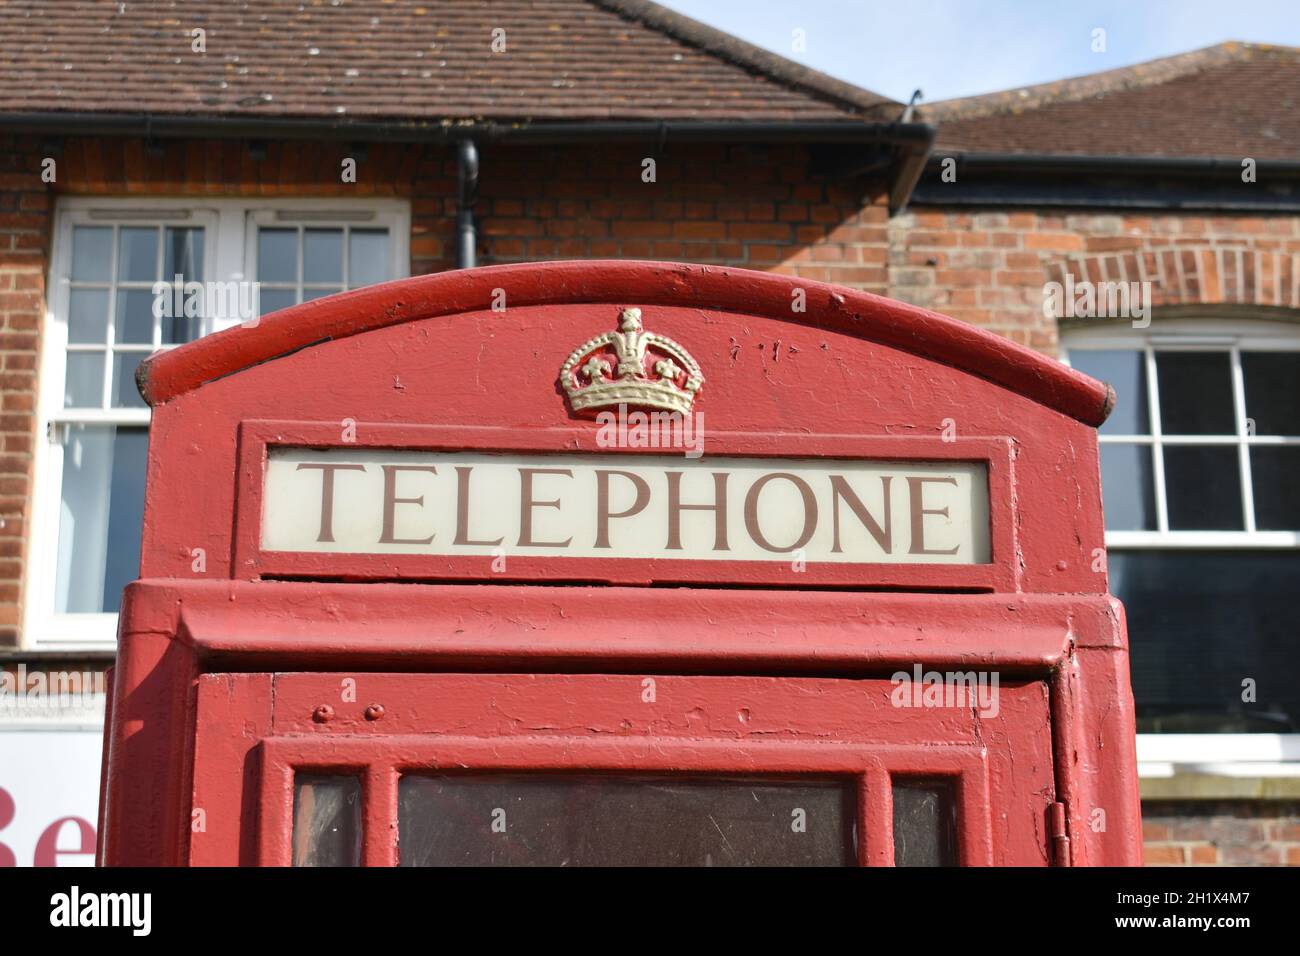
368, 259
1202, 622
273, 300
1195, 393
83, 381
88, 316
133, 323
137, 254
322, 256
125, 513
1275, 478
326, 820
1272, 381
925, 822
183, 254
1203, 488
92, 253
1127, 488
102, 509
496, 819
277, 255
179, 329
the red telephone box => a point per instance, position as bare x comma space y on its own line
615, 562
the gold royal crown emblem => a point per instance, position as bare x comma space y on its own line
631, 367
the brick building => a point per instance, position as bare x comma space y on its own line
315, 148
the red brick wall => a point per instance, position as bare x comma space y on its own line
1221, 833
24, 239
989, 267
739, 206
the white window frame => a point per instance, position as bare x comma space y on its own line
1166, 755
1204, 335
229, 255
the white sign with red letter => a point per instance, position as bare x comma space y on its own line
49, 796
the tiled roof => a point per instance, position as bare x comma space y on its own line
1234, 100
429, 60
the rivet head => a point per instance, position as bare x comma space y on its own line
323, 714
374, 711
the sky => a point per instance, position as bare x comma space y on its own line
950, 48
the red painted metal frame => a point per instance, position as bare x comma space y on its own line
175, 633
380, 764
256, 437
738, 725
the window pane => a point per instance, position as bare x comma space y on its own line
178, 330
101, 511
88, 316
83, 383
1202, 622
183, 254
133, 322
1275, 477
496, 819
1126, 372
277, 255
322, 255
368, 260
925, 823
273, 300
326, 820
309, 294
1127, 488
92, 253
1203, 488
125, 392
1195, 393
1272, 391
137, 254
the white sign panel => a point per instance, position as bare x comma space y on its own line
625, 506
49, 796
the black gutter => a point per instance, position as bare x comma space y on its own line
408, 131
466, 195
1128, 165
1108, 182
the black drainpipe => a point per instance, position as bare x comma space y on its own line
466, 194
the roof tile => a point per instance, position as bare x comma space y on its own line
429, 60
1234, 100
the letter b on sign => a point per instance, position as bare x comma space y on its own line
6, 818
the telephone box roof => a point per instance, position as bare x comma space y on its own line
832, 308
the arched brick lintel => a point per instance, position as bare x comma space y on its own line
1187, 275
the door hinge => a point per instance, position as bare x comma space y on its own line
1060, 833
